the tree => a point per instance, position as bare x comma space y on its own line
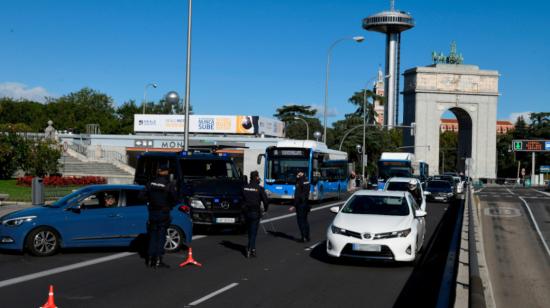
33, 114
295, 129
13, 149
358, 99
448, 147
125, 117
87, 106
42, 158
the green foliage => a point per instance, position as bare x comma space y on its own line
448, 149
125, 117
295, 129
42, 158
25, 112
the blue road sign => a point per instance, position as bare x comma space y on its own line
544, 169
547, 145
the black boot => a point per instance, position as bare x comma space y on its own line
152, 262
253, 253
161, 264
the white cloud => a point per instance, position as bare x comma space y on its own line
331, 112
515, 115
17, 90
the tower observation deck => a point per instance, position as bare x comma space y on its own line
392, 23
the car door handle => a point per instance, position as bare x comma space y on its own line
114, 215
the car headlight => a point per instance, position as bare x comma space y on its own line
14, 222
449, 194
197, 204
402, 233
337, 230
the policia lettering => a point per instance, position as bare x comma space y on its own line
253, 195
161, 195
301, 197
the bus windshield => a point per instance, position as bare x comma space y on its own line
387, 169
283, 170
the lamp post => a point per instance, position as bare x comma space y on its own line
188, 78
154, 85
317, 135
358, 39
307, 126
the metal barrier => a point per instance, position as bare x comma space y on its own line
476, 295
448, 282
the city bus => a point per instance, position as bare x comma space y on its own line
325, 169
394, 164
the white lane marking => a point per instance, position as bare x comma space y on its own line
479, 190
294, 214
510, 191
542, 192
536, 226
314, 245
61, 269
198, 237
209, 296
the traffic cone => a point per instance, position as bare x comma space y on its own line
190, 259
50, 303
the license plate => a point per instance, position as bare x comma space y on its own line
440, 198
226, 220
367, 247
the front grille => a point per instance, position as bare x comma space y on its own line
385, 253
352, 234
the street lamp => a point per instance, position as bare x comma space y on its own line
188, 78
358, 39
154, 85
317, 135
307, 126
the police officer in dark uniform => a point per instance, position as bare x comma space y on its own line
301, 197
162, 196
253, 194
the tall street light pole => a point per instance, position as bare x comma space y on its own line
358, 39
154, 85
188, 77
307, 126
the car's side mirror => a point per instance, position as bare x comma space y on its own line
75, 209
420, 213
335, 209
427, 193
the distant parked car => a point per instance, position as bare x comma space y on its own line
380, 225
89, 217
440, 191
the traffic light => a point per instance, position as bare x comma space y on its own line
518, 145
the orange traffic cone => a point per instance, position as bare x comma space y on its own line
190, 259
50, 303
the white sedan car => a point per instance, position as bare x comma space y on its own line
383, 225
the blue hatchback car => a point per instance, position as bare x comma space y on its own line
93, 216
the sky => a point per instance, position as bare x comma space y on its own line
253, 56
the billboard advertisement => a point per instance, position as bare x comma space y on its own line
208, 124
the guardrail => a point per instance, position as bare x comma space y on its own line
447, 289
476, 295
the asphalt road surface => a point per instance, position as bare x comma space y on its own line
516, 236
285, 274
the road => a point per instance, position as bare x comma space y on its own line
285, 274
516, 235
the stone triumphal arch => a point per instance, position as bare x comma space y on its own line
468, 92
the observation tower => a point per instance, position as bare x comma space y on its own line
392, 23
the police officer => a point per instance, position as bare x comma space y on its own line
162, 196
253, 194
415, 192
301, 196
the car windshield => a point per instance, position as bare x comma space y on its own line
439, 184
70, 198
398, 186
207, 168
377, 205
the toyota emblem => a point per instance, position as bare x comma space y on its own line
367, 236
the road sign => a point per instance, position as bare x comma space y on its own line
544, 169
522, 171
531, 145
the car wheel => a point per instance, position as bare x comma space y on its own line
43, 242
174, 239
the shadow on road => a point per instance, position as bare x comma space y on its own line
238, 247
282, 235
